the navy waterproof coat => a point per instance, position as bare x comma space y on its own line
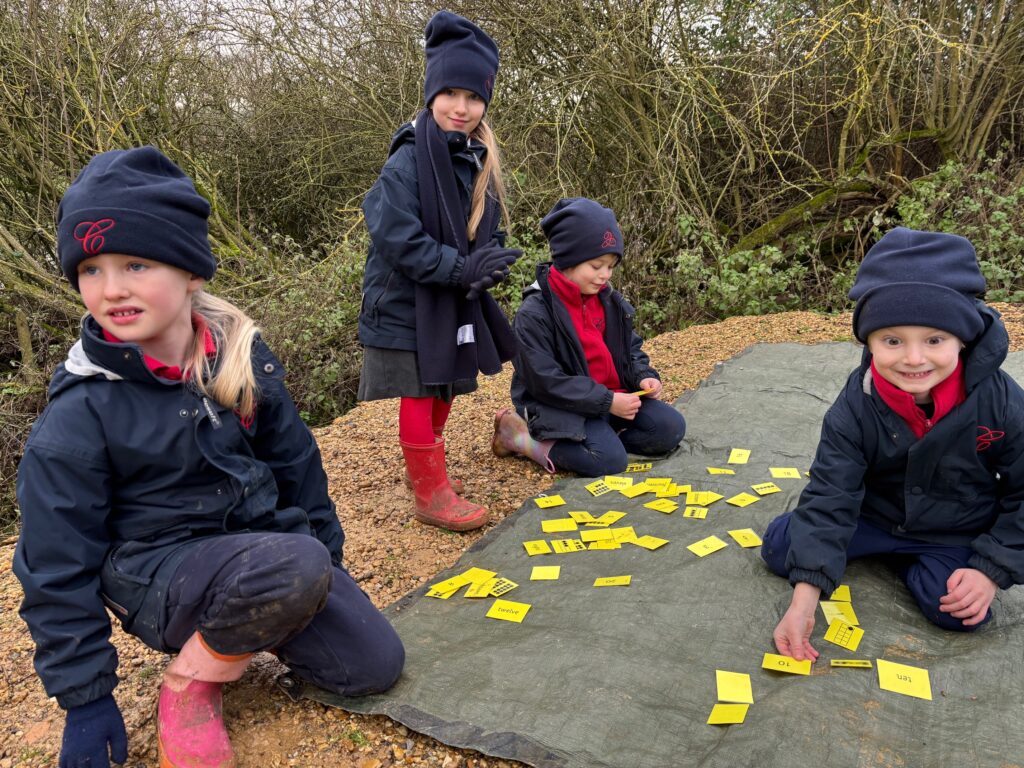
962, 483
401, 252
121, 471
551, 387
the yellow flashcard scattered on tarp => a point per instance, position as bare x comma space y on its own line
608, 518
448, 587
844, 635
734, 687
707, 546
546, 502
598, 488
635, 490
501, 586
746, 537
582, 517
728, 714
697, 513
617, 483
763, 489
443, 594
649, 542
639, 466
738, 456
784, 472
545, 573
563, 546
702, 498
561, 525
483, 589
623, 535
842, 594
669, 492
855, 663
604, 544
507, 610
613, 581
537, 547
838, 610
662, 505
742, 500
657, 483
597, 534
900, 678
720, 471
786, 664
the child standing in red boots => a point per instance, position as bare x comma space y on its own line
171, 481
428, 325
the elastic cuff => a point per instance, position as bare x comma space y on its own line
814, 578
990, 569
455, 278
217, 654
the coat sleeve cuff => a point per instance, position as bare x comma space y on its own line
456, 275
990, 569
814, 578
97, 689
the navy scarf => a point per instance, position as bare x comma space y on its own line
455, 338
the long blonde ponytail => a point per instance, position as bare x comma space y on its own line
233, 383
488, 181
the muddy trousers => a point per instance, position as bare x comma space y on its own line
279, 592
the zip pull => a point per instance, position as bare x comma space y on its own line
212, 414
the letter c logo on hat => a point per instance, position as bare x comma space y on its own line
90, 234
609, 240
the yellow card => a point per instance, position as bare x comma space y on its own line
671, 491
635, 490
638, 467
786, 664
501, 586
727, 714
483, 589
545, 573
662, 505
598, 488
613, 581
742, 500
545, 502
582, 517
734, 687
657, 483
702, 498
738, 456
597, 534
784, 472
844, 635
642, 392
448, 587
707, 546
697, 513
838, 610
537, 547
720, 471
562, 525
650, 542
605, 544
763, 489
842, 594
507, 610
562, 546
624, 534
617, 482
443, 594
856, 663
746, 537
608, 518
900, 678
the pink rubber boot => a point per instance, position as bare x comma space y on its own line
190, 724
512, 437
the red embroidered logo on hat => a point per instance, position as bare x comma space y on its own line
609, 240
90, 234
987, 436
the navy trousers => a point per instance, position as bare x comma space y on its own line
656, 429
279, 592
924, 567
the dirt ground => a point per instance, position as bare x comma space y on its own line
386, 551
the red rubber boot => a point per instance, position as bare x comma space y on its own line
436, 502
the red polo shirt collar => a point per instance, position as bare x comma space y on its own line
946, 396
172, 372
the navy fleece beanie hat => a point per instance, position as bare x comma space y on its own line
459, 55
136, 202
579, 229
919, 278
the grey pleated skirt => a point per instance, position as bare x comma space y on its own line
388, 373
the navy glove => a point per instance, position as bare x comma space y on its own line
486, 267
93, 734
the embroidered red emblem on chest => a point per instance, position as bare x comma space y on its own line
987, 436
609, 240
90, 234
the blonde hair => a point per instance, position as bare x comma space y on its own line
233, 383
488, 181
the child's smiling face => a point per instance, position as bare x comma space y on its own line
591, 275
456, 109
914, 358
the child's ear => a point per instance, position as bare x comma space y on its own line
195, 282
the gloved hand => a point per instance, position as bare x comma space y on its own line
486, 267
93, 734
